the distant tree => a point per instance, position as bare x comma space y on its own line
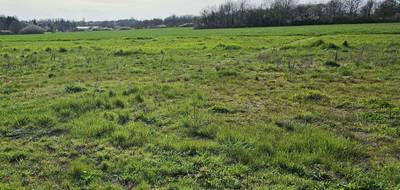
289, 12
352, 6
32, 29
388, 8
15, 27
335, 8
368, 8
5, 22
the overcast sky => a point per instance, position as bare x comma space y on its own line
102, 9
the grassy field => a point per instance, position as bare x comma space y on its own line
313, 107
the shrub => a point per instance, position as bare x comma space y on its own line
62, 50
331, 46
32, 29
346, 44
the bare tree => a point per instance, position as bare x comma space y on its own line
335, 8
352, 6
368, 8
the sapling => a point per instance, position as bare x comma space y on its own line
8, 62
360, 57
336, 55
96, 86
278, 59
162, 56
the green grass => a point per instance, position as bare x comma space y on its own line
307, 107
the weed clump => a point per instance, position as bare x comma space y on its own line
331, 46
51, 75
318, 43
331, 64
82, 173
237, 149
285, 125
62, 50
139, 98
130, 91
119, 104
307, 118
45, 122
347, 73
123, 53
324, 45
111, 93
15, 156
21, 122
123, 119
379, 104
221, 110
72, 89
346, 44
208, 132
228, 47
120, 138
313, 96
228, 73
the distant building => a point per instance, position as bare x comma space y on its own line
87, 28
5, 32
187, 25
160, 26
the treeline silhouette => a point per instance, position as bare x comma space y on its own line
288, 12
11, 25
239, 13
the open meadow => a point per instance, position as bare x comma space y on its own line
302, 107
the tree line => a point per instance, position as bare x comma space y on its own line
241, 13
61, 25
11, 25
